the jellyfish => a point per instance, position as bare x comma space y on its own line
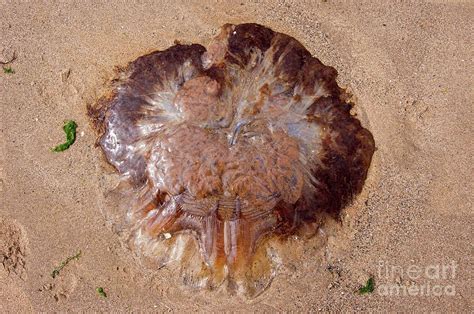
223, 150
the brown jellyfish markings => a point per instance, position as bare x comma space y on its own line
222, 150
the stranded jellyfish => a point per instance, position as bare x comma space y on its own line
223, 150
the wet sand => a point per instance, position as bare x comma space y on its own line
409, 67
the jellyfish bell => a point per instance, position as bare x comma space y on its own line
221, 151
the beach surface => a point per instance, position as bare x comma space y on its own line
409, 67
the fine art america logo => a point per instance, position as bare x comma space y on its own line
414, 280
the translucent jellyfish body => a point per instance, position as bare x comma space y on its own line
222, 150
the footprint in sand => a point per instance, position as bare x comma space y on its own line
61, 288
13, 248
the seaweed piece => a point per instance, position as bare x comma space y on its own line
56, 271
70, 130
101, 292
8, 70
368, 288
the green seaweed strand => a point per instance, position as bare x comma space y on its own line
56, 271
369, 287
101, 292
70, 130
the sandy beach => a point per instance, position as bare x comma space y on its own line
409, 67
